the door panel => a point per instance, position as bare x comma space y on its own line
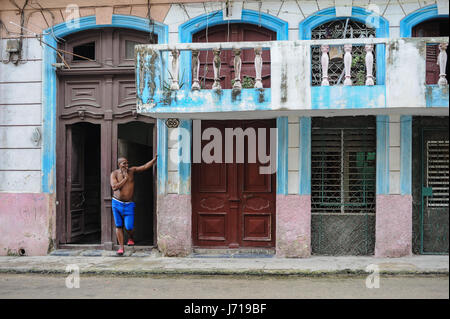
257, 194
75, 182
232, 204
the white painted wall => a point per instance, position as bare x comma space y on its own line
173, 178
20, 116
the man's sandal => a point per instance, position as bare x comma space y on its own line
119, 252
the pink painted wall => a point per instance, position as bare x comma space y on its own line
25, 222
293, 226
393, 233
174, 228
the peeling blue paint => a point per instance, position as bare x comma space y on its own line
418, 16
282, 160
207, 101
184, 169
436, 96
348, 97
305, 156
162, 160
406, 154
382, 155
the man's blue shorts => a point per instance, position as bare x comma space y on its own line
123, 212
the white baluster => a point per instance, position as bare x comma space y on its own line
237, 69
369, 64
195, 70
442, 62
348, 64
175, 85
258, 68
216, 67
325, 61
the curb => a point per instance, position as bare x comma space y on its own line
225, 272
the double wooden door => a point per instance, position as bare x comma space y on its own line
233, 205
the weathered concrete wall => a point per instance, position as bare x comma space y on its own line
174, 218
393, 234
26, 222
293, 226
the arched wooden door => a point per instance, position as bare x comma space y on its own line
233, 205
99, 90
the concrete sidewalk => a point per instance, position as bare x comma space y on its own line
146, 263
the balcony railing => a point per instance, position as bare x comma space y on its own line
400, 76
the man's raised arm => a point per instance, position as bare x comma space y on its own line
146, 166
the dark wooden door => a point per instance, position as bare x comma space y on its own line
432, 28
75, 196
233, 205
235, 32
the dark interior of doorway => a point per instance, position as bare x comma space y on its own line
92, 213
135, 140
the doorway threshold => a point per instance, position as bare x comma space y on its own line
233, 253
101, 247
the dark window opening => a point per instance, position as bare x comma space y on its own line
340, 29
432, 28
86, 50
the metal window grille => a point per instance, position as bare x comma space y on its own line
339, 29
437, 173
343, 168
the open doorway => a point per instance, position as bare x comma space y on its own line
83, 193
135, 142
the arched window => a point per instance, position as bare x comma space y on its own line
341, 29
235, 32
437, 27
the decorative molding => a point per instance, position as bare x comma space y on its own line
418, 16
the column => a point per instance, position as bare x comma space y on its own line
393, 233
293, 214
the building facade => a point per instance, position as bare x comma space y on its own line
344, 103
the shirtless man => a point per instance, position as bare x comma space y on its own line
122, 183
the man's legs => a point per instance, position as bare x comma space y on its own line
118, 218
119, 234
129, 223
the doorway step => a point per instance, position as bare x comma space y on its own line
233, 253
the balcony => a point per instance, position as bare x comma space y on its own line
391, 75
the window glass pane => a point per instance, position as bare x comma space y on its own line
129, 49
86, 50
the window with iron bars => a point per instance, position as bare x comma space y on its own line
343, 169
340, 29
